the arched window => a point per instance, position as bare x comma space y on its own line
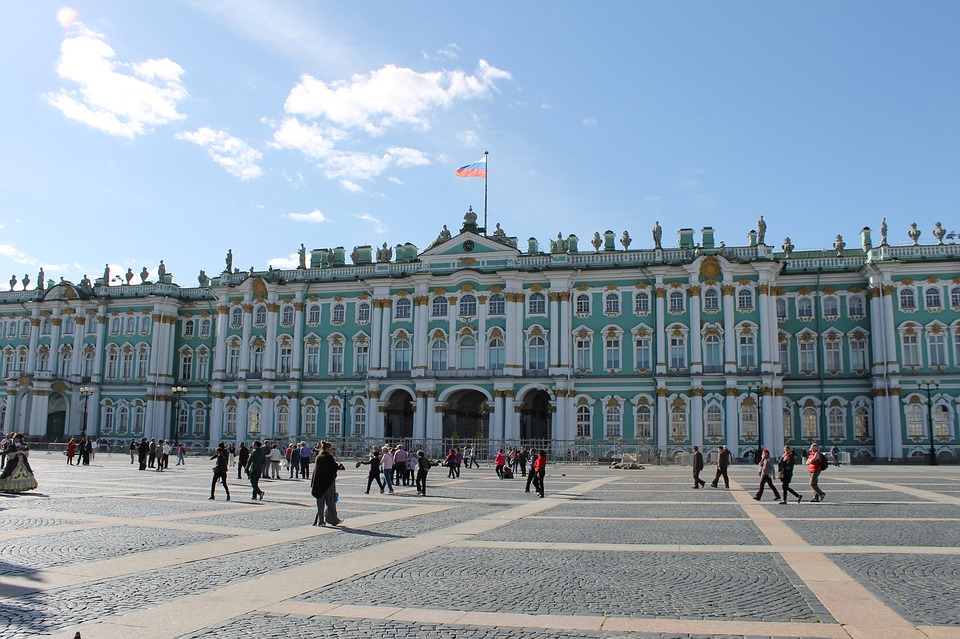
583, 304
583, 421
334, 419
537, 304
183, 421
712, 353
43, 360
468, 306
496, 305
361, 354
123, 420
313, 314
711, 300
748, 421
401, 309
114, 325
908, 299
131, 325
230, 421
286, 315
359, 420
537, 353
311, 354
955, 297
787, 424
256, 359
855, 306
678, 421
254, 426
805, 308
713, 422
63, 363
745, 300
126, 363
468, 353
88, 359
915, 420
611, 303
641, 303
45, 326
831, 307
233, 357
677, 301
189, 327
283, 421
496, 353
612, 420
186, 365
644, 422
401, 355
106, 420
146, 324
861, 422
338, 314
236, 317
836, 425
199, 421
284, 358
808, 422
260, 315
931, 297
69, 325
363, 312
438, 355
440, 306
310, 421
139, 420
941, 422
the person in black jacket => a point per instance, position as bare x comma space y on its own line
723, 461
423, 467
374, 463
220, 470
142, 451
785, 468
697, 468
324, 486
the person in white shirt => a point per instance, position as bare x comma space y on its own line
275, 458
386, 463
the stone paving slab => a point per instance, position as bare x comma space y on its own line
710, 586
918, 510
579, 508
16, 522
868, 533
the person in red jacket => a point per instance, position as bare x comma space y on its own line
815, 464
499, 462
539, 470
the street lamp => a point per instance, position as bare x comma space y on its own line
85, 393
756, 390
178, 392
344, 392
927, 385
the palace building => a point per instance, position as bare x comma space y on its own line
585, 349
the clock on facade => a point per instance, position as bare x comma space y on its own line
468, 245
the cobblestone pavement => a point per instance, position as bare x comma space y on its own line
116, 553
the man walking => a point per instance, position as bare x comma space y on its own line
256, 465
816, 462
539, 469
243, 457
723, 462
697, 468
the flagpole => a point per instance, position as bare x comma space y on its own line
486, 165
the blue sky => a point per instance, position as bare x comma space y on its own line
134, 132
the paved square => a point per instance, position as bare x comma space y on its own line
117, 553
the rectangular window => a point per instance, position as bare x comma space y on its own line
858, 355
611, 360
336, 359
910, 350
583, 352
363, 358
678, 352
186, 367
312, 359
748, 352
808, 356
642, 353
286, 356
831, 356
937, 343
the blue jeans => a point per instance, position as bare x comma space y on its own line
388, 478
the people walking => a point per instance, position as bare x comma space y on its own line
785, 468
293, 460
767, 470
255, 467
71, 451
386, 463
835, 455
697, 468
220, 471
84, 451
181, 452
305, 460
276, 458
324, 486
133, 449
451, 463
723, 462
400, 465
373, 461
539, 471
816, 462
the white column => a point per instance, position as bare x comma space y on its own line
890, 333
696, 339
220, 350
733, 422
101, 320
482, 332
769, 440
554, 309
895, 409
420, 417
76, 361
296, 365
514, 337
511, 426
375, 337
564, 337
270, 348
245, 340
54, 345
499, 408
452, 332
421, 312
374, 423
729, 333
766, 358
696, 417
383, 342
433, 432
661, 339
34, 341
662, 416
11, 410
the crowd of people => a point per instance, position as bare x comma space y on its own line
769, 469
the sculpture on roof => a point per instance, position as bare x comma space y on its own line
559, 245
203, 279
302, 254
499, 232
129, 276
761, 230
883, 232
85, 281
106, 275
914, 233
444, 234
839, 244
229, 261
787, 246
596, 241
26, 281
144, 274
384, 254
657, 235
161, 272
13, 281
939, 232
40, 278
625, 241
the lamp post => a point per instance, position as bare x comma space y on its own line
178, 392
756, 390
344, 393
85, 393
927, 385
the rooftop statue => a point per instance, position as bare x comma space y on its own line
499, 232
657, 235
625, 241
883, 232
761, 230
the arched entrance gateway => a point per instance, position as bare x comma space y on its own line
466, 415
536, 419
398, 416
57, 417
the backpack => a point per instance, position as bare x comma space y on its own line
824, 464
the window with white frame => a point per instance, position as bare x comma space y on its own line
283, 421
126, 363
836, 424
955, 297
908, 299
644, 418
313, 314
334, 419
312, 359
186, 365
809, 423
260, 315
183, 421
748, 421
106, 419
45, 326
712, 352
931, 298
88, 360
831, 307
642, 352
440, 306
832, 362
855, 306
336, 357
256, 359
310, 420
787, 423
69, 325
359, 420
942, 429
43, 360
678, 351
583, 304
199, 421
781, 309
612, 421
468, 306
205, 325
909, 348
677, 301
861, 422
230, 421
468, 353
361, 362
114, 326
253, 424
12, 329
937, 349
807, 352
363, 313
747, 350
130, 325
284, 358
438, 355
25, 328
804, 309
711, 300
286, 315
678, 421
537, 304
611, 352
338, 314
496, 305
123, 420
915, 419
641, 303
858, 354
401, 355
203, 365
236, 317
611, 303
583, 420
113, 363
496, 354
233, 357
745, 300
402, 309
713, 422
537, 353
583, 352
63, 363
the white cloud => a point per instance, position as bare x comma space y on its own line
449, 52
589, 121
314, 216
351, 186
291, 261
404, 156
396, 180
16, 255
389, 96
378, 226
468, 138
118, 98
237, 157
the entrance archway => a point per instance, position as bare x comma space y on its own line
56, 416
398, 416
536, 418
465, 415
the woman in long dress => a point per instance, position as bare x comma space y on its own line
324, 486
17, 476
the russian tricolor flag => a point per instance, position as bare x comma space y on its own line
477, 169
